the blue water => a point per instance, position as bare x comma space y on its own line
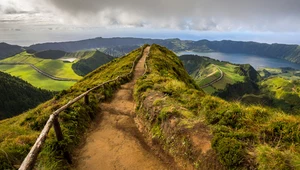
254, 60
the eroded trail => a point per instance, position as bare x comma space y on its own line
116, 143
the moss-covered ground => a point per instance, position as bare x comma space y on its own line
19, 133
176, 113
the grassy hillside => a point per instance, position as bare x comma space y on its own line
18, 96
18, 134
236, 76
287, 73
90, 62
285, 92
208, 132
56, 68
25, 72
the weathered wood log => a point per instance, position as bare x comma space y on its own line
86, 98
30, 159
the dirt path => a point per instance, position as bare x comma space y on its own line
116, 143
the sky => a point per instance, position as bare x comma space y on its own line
36, 21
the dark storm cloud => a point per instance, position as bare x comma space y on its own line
257, 15
15, 11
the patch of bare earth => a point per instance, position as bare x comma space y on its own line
115, 142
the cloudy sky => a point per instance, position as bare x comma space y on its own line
33, 21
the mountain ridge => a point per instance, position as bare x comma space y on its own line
175, 115
290, 52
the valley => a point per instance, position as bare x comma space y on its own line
50, 70
150, 85
272, 87
194, 110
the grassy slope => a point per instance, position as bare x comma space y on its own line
175, 112
56, 68
204, 68
18, 134
280, 72
285, 92
18, 96
28, 74
90, 62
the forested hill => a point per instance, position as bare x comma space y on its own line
7, 50
125, 45
18, 96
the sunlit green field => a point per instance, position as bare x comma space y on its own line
279, 72
211, 73
30, 75
56, 68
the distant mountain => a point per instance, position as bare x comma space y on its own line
18, 96
87, 65
283, 51
113, 46
7, 50
95, 43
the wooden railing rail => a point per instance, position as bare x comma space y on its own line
30, 159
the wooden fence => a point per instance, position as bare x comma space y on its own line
30, 159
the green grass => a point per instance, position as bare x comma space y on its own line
204, 70
80, 55
281, 72
18, 134
230, 77
56, 68
243, 137
30, 75
285, 92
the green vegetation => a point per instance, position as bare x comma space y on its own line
55, 68
178, 116
87, 64
202, 130
18, 96
238, 79
30, 75
284, 92
287, 73
50, 54
19, 133
54, 63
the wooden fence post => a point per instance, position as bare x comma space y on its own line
86, 98
60, 137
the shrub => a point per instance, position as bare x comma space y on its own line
231, 152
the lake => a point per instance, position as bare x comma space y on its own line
254, 60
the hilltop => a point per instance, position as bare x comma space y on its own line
173, 114
237, 79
